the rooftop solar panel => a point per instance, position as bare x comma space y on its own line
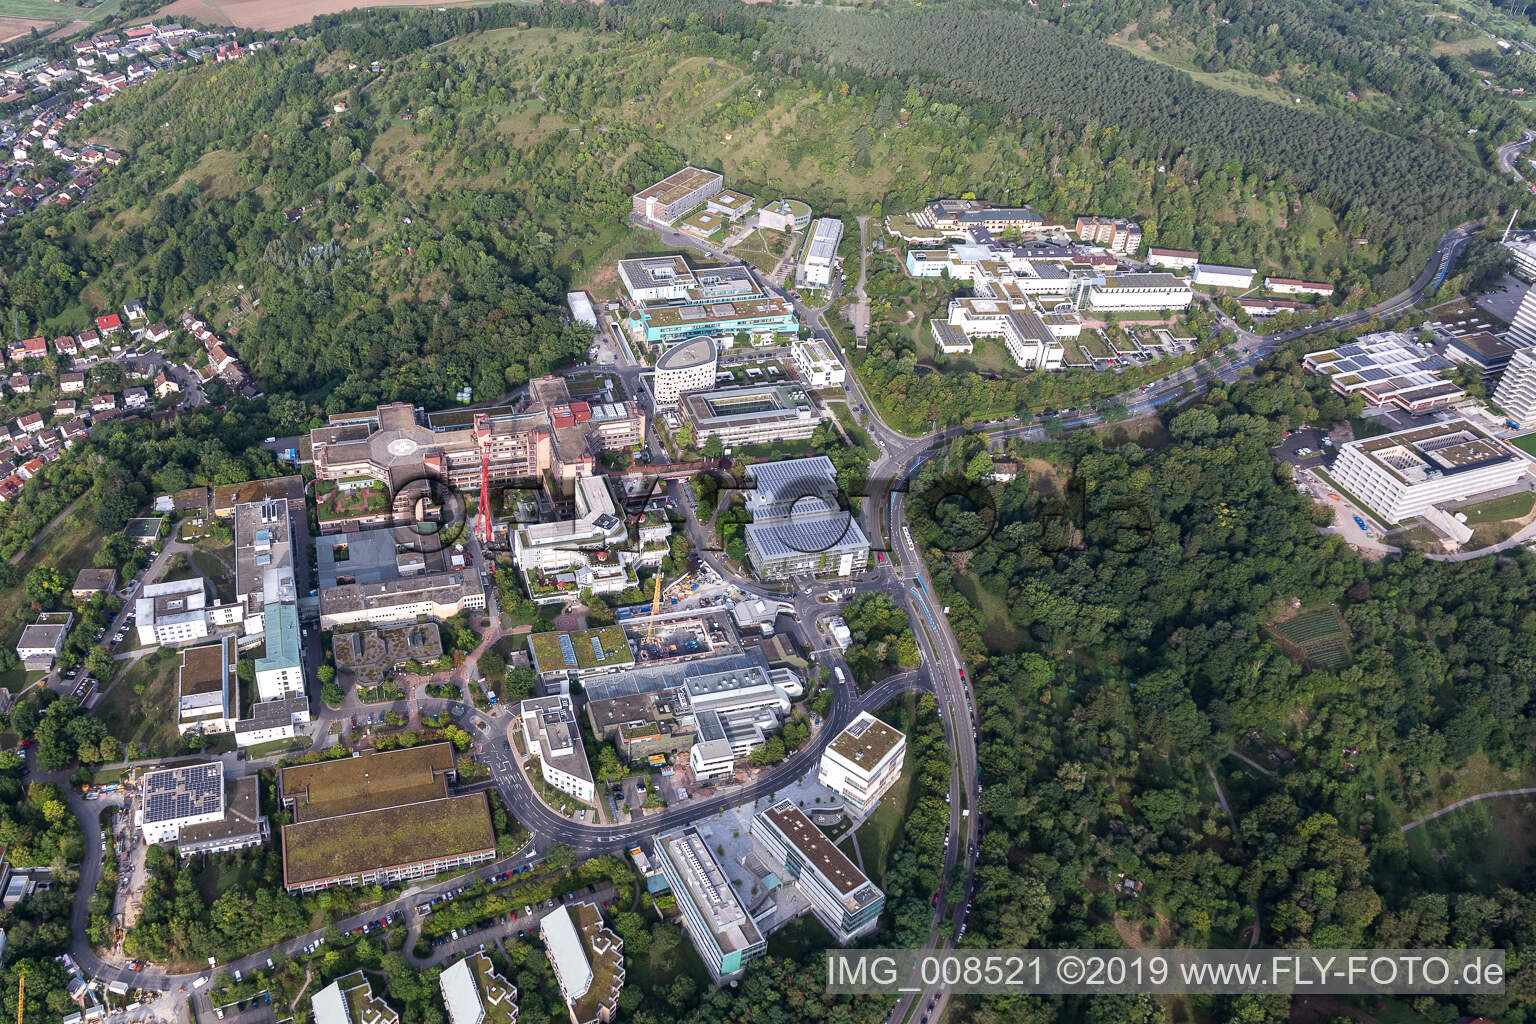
567, 650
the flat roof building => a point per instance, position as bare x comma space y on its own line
676, 194
840, 895
819, 259
713, 915
1516, 396
553, 735
797, 526
195, 804
207, 689
350, 1000
752, 415
1406, 473
863, 762
1213, 275
434, 595
1140, 292
43, 641
817, 365
588, 961
1388, 368
475, 994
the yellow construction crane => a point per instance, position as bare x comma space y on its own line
21, 996
650, 626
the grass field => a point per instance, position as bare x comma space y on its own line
1497, 519
276, 14
1481, 846
1525, 442
1240, 82
763, 249
998, 633
149, 719
68, 548
878, 835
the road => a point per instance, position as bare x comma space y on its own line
1511, 151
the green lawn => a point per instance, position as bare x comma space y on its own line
150, 718
878, 834
1525, 442
998, 633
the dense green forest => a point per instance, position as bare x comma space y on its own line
1121, 629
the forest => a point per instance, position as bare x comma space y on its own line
1120, 615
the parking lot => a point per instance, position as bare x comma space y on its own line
512, 926
1304, 449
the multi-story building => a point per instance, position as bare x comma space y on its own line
1522, 330
207, 689
1522, 247
551, 732
435, 595
1213, 275
817, 365
268, 593
178, 612
961, 216
1173, 259
1516, 396
751, 415
797, 526
713, 916
840, 895
767, 315
1482, 349
687, 366
380, 818
663, 279
1113, 233
862, 762
730, 204
819, 259
350, 1000
1139, 292
588, 961
194, 808
475, 994
1292, 286
784, 215
1409, 472
676, 194
1388, 368
43, 640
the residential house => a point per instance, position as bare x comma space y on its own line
221, 358
165, 385
133, 309
109, 323
65, 345
32, 422
88, 340
28, 348
159, 332
135, 398
64, 408
71, 383
20, 383
103, 403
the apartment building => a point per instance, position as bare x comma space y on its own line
841, 896
1516, 395
862, 762
1113, 233
475, 994
817, 365
587, 959
676, 194
717, 923
553, 735
687, 366
1406, 473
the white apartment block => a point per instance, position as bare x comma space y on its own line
1516, 394
817, 365
862, 762
820, 257
552, 734
1173, 259
1403, 474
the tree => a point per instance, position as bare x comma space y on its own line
326, 674
713, 447
560, 857
45, 585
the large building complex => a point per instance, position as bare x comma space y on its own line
673, 301
1113, 233
751, 415
956, 217
713, 916
588, 961
687, 366
1387, 369
676, 194
862, 762
268, 594
797, 527
1407, 473
553, 735
1522, 329
194, 808
178, 612
820, 257
1516, 396
588, 552
798, 852
380, 818
390, 445
475, 994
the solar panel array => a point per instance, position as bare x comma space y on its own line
567, 651
597, 648
183, 792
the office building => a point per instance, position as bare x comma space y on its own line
1516, 395
265, 587
195, 804
752, 415
179, 612
666, 324
960, 216
380, 818
687, 366
350, 1000
438, 595
286, 489
676, 194
730, 204
1213, 275
1482, 349
1522, 247
713, 916
1291, 286
587, 959
553, 735
475, 994
798, 852
797, 527
1388, 368
1173, 259
1153, 291
1406, 473
42, 642
1113, 233
950, 339
819, 259
862, 762
817, 365
207, 689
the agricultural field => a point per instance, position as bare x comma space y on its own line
1318, 637
276, 14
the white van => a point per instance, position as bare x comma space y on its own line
200, 982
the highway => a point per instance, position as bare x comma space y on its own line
905, 579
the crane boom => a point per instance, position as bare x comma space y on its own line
21, 997
650, 626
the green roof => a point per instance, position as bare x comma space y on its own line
351, 844
550, 657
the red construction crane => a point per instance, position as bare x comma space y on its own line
483, 436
